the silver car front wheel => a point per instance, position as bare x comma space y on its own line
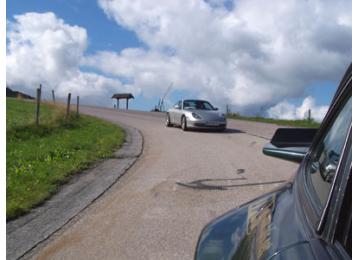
183, 123
168, 122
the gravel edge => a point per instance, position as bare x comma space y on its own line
25, 233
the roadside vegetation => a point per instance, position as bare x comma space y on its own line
296, 123
40, 158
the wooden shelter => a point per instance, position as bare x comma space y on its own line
126, 96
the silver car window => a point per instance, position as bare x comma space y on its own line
177, 104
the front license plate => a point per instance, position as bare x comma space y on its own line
212, 124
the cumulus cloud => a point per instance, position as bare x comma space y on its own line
247, 53
285, 110
44, 49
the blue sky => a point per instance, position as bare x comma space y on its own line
104, 34
113, 29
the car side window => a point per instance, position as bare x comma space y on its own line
177, 105
188, 104
326, 155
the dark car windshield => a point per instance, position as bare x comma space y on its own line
197, 104
327, 154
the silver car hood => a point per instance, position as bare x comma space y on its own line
209, 115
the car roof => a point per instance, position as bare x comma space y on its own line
195, 100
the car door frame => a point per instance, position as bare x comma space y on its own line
323, 222
343, 93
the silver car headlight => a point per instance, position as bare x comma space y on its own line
195, 115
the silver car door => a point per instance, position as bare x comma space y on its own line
178, 112
175, 113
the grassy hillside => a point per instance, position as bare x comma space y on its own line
283, 122
40, 158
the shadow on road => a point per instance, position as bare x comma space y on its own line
215, 184
216, 131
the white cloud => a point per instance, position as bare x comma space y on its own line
285, 110
254, 54
248, 54
44, 49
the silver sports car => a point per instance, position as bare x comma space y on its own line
191, 113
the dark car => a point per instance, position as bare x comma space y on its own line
311, 216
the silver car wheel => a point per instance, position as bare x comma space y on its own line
168, 122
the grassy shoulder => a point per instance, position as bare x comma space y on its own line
40, 158
283, 122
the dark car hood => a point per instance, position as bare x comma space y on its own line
266, 228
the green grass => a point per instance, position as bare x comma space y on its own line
295, 123
40, 158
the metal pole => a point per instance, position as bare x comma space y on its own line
127, 103
68, 105
117, 103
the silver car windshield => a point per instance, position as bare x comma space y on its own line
198, 105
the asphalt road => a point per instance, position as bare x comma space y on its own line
181, 181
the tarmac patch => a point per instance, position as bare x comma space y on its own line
223, 184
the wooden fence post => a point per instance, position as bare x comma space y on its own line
68, 105
53, 95
77, 105
227, 109
38, 97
